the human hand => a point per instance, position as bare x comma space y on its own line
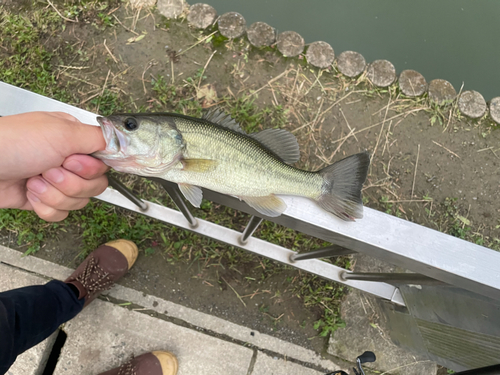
45, 164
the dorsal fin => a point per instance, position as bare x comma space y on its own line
281, 142
219, 117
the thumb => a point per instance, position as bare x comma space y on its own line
78, 138
85, 139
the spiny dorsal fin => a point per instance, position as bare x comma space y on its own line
281, 142
219, 117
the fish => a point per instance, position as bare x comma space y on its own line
215, 153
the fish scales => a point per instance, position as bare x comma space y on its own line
244, 167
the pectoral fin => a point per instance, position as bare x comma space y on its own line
270, 206
199, 165
192, 193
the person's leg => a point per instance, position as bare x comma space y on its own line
31, 314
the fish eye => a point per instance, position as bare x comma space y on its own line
130, 123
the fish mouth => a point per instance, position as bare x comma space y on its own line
116, 141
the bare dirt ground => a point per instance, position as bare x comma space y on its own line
429, 165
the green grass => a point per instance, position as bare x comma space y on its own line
454, 222
316, 293
182, 99
30, 230
24, 60
107, 103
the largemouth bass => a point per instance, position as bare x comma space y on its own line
215, 153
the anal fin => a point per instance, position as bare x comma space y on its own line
270, 205
192, 193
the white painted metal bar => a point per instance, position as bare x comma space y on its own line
396, 241
255, 245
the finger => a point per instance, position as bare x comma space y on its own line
45, 212
73, 136
85, 166
52, 197
73, 185
13, 195
82, 139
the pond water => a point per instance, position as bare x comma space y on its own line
456, 40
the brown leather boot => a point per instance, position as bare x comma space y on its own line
102, 268
154, 363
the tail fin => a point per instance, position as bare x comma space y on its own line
342, 183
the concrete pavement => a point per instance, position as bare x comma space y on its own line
108, 332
